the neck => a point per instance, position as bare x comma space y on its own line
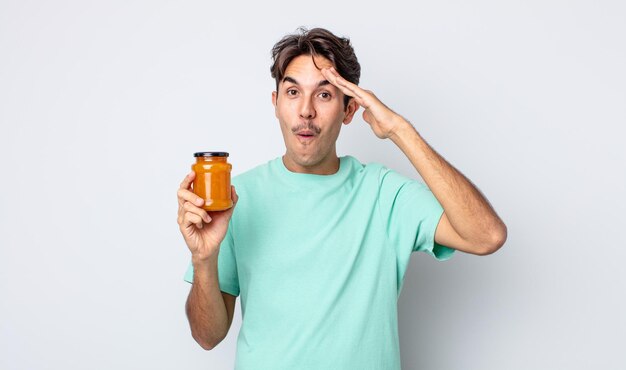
328, 166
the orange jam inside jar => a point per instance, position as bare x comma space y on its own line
212, 182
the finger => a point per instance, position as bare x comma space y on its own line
189, 196
185, 185
188, 207
333, 79
345, 86
362, 97
235, 198
192, 219
187, 180
233, 194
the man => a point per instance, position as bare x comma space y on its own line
317, 245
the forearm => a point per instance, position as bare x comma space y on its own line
469, 212
206, 310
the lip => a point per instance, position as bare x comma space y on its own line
305, 136
305, 132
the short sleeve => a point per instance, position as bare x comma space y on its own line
226, 266
411, 213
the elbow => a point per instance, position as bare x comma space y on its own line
206, 346
206, 343
497, 240
205, 335
205, 339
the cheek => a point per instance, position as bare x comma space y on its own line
284, 109
280, 113
331, 115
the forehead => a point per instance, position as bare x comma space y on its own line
303, 68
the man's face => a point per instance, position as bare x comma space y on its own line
310, 111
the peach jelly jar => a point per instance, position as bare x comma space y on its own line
212, 182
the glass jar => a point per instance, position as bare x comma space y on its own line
212, 182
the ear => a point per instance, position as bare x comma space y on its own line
274, 100
351, 109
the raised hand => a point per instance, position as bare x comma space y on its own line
383, 121
203, 231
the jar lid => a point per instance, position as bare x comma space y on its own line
210, 154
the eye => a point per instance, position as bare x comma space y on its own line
325, 95
292, 92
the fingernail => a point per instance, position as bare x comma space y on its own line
200, 201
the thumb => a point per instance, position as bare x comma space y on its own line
233, 194
235, 198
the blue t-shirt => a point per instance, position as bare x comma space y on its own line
319, 262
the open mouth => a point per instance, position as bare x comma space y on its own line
306, 135
306, 139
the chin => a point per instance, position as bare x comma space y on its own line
306, 159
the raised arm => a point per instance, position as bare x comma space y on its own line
209, 311
469, 223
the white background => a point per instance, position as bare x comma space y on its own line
102, 105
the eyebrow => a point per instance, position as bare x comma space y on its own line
293, 80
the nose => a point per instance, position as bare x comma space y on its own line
307, 110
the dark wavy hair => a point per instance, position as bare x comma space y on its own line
316, 42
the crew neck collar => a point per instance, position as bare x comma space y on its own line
308, 178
